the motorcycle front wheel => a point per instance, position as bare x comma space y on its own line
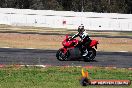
91, 55
61, 56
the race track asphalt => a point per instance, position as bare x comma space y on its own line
10, 56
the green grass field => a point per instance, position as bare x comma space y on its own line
57, 77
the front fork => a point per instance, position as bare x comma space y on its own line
65, 53
64, 50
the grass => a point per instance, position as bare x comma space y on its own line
57, 77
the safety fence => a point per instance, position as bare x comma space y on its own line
66, 19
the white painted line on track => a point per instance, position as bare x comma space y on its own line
6, 47
30, 48
113, 51
44, 66
97, 50
16, 48
35, 65
123, 51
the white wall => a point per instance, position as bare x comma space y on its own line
55, 19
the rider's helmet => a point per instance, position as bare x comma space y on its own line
81, 28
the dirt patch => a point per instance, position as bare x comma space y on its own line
16, 40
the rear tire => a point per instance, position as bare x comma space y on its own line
91, 55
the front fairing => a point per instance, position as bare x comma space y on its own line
69, 43
66, 43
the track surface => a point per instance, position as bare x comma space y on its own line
47, 57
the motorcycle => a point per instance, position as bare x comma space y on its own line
71, 50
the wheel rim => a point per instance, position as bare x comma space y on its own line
62, 56
91, 54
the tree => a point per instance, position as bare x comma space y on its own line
75, 5
117, 6
8, 3
66, 4
129, 4
51, 4
2, 2
109, 6
45, 4
22, 4
36, 4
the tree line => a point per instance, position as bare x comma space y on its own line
102, 6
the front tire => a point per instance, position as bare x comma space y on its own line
91, 55
61, 56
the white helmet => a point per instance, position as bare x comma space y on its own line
81, 28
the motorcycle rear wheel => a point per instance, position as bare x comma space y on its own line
91, 55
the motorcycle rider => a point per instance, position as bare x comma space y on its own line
85, 40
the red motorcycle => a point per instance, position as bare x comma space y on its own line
71, 50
